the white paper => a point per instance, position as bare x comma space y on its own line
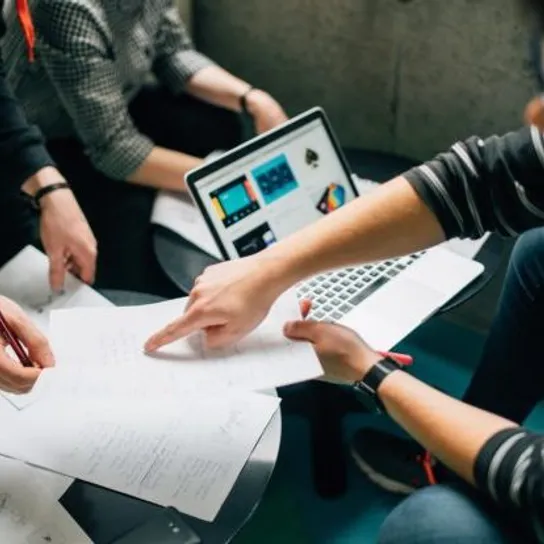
187, 455
178, 213
29, 514
25, 280
115, 336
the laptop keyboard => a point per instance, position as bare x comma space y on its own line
336, 293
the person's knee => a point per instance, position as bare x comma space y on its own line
527, 261
439, 514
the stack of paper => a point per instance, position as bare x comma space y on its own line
174, 429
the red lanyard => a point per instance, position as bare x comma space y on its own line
25, 19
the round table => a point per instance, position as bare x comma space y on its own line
106, 515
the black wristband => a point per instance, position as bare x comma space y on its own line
243, 101
40, 193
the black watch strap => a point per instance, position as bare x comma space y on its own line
243, 101
372, 380
40, 193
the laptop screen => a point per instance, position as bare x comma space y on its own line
272, 191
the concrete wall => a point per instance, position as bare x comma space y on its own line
404, 76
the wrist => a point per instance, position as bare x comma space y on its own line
254, 100
43, 178
362, 364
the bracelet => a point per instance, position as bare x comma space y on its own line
40, 193
243, 101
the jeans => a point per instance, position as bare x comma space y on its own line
119, 212
509, 381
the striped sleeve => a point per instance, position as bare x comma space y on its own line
510, 468
480, 185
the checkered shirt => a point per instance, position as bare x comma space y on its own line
93, 57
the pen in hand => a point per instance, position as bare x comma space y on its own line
14, 342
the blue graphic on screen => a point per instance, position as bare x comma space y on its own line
275, 179
234, 199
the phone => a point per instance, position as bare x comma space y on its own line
168, 527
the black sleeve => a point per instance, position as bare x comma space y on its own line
479, 185
22, 150
510, 467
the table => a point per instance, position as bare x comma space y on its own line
324, 404
106, 515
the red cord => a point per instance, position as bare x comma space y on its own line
427, 463
25, 20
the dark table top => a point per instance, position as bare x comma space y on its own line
105, 515
183, 262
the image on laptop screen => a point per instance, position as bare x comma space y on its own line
275, 190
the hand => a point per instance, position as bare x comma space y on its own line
345, 356
14, 377
534, 112
228, 301
266, 112
66, 238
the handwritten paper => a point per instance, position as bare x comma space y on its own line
115, 337
25, 280
28, 513
186, 454
178, 213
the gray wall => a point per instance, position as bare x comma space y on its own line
403, 76
409, 77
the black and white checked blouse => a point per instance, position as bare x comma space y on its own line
93, 57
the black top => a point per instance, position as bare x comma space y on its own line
22, 151
495, 185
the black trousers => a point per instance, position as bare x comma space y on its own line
117, 211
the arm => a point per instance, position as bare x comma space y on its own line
26, 164
495, 185
183, 69
486, 450
82, 68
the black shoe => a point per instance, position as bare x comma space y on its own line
395, 464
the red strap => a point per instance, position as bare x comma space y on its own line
25, 20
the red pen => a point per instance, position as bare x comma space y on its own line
14, 342
401, 358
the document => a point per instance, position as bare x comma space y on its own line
187, 454
178, 213
25, 279
29, 514
115, 336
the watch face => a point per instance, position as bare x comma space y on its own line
367, 399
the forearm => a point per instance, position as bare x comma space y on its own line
165, 169
217, 86
391, 221
44, 177
451, 430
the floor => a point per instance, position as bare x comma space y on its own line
291, 512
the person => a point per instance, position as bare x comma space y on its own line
25, 164
88, 90
478, 185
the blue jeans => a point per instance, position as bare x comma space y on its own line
509, 381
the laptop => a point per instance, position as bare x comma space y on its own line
279, 182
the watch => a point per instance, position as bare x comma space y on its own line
366, 389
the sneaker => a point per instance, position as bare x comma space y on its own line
394, 464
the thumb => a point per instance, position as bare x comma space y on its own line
302, 330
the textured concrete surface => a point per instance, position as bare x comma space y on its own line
404, 76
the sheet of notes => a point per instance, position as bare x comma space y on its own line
29, 514
115, 337
187, 454
25, 280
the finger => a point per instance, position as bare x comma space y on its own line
192, 321
15, 377
219, 337
56, 271
305, 306
86, 263
302, 330
36, 343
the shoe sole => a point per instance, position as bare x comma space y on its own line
379, 479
